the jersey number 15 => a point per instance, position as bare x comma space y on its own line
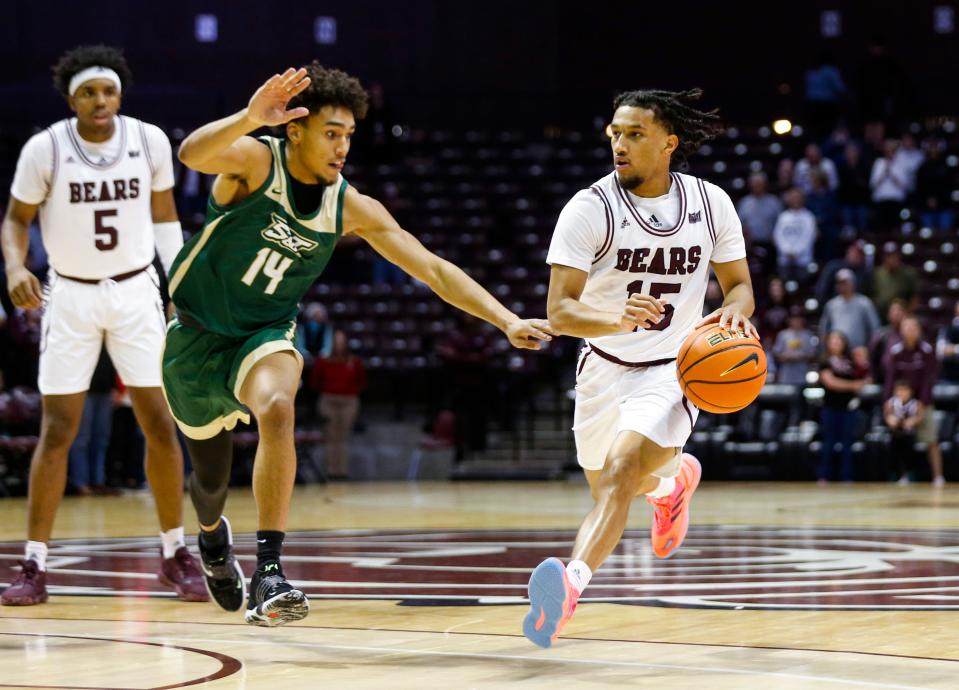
656, 290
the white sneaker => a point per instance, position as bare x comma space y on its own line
903, 480
939, 482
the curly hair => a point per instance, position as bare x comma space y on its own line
82, 57
331, 87
673, 110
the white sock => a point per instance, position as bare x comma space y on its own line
37, 551
172, 540
667, 485
579, 575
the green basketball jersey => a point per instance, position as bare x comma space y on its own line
255, 259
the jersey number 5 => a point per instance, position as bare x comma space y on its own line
272, 264
106, 234
656, 290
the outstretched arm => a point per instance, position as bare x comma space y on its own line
370, 220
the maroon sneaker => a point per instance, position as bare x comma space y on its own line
29, 587
183, 575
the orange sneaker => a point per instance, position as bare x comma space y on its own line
671, 513
552, 601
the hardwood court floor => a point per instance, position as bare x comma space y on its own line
420, 586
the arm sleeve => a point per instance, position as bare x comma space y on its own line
582, 232
730, 245
34, 176
161, 156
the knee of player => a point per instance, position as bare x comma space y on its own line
275, 409
620, 479
58, 431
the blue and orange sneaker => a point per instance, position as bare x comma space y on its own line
671, 513
552, 601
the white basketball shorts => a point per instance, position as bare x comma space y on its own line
611, 398
79, 318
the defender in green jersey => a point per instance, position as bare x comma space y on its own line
277, 209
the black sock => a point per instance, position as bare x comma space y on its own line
213, 542
268, 546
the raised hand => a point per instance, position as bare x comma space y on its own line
525, 333
268, 105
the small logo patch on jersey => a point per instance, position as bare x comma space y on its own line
70, 159
134, 154
625, 223
654, 221
695, 217
285, 236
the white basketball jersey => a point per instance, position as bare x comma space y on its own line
96, 220
626, 248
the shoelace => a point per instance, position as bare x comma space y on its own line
187, 563
28, 571
662, 511
265, 587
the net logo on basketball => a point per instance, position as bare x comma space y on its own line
280, 232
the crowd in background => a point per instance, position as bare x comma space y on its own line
836, 308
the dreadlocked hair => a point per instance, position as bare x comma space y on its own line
331, 87
81, 57
674, 111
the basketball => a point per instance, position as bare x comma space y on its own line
720, 370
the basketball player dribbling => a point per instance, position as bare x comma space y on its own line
277, 209
630, 260
103, 186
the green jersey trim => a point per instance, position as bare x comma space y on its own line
182, 269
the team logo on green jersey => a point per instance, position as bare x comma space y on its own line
285, 236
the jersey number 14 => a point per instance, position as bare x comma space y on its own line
272, 264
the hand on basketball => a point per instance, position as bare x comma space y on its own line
268, 105
525, 333
641, 311
732, 318
24, 289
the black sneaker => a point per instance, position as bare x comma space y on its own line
222, 573
273, 600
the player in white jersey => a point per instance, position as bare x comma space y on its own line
102, 184
630, 259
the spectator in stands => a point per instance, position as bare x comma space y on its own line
894, 280
842, 382
88, 454
774, 311
854, 192
784, 176
855, 261
947, 347
824, 90
903, 414
889, 182
315, 332
849, 312
824, 205
466, 353
795, 236
914, 360
909, 157
887, 335
339, 379
934, 184
812, 162
795, 350
759, 210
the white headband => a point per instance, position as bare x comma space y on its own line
95, 72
